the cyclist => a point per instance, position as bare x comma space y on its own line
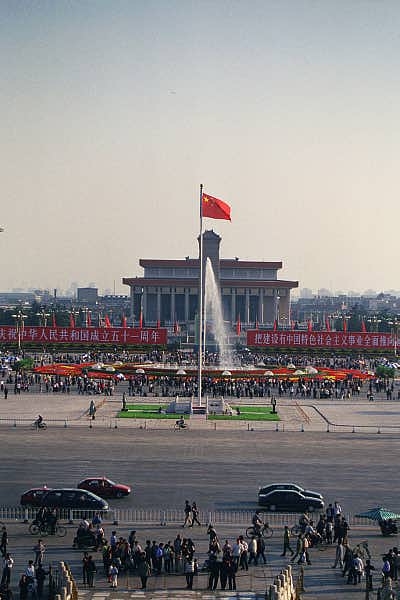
181, 422
39, 422
257, 523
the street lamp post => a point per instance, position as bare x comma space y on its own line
394, 325
19, 323
43, 315
277, 308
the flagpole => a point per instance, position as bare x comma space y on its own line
200, 357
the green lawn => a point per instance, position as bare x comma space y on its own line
147, 411
247, 413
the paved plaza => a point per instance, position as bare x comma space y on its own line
219, 468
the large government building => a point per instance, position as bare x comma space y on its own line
168, 292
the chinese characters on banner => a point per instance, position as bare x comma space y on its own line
338, 340
90, 335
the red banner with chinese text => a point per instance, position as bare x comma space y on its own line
82, 335
339, 340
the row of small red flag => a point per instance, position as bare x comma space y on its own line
293, 324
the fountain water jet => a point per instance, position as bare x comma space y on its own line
214, 317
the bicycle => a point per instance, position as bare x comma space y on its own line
296, 529
178, 426
36, 425
265, 531
45, 529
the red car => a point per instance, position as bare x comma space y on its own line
34, 496
105, 488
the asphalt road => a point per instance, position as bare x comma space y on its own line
219, 470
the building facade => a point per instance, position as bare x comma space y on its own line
168, 292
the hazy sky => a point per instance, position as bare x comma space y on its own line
113, 113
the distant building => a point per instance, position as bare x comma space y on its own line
88, 295
168, 292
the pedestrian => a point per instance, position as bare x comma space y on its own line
358, 569
39, 551
213, 569
113, 575
4, 541
286, 542
368, 574
261, 550
143, 569
189, 568
168, 557
244, 565
211, 532
8, 563
178, 553
299, 547
339, 556
30, 570
84, 568
188, 511
236, 552
253, 551
231, 574
91, 571
40, 579
195, 515
23, 587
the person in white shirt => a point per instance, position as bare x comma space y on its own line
30, 570
236, 553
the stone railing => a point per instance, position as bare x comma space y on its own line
66, 586
282, 588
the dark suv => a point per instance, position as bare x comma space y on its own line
73, 498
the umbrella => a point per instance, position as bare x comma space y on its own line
268, 374
181, 372
311, 370
140, 371
226, 374
379, 514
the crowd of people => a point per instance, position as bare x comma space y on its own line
223, 560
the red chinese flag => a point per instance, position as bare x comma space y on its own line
71, 321
158, 323
124, 324
213, 208
256, 325
89, 319
327, 324
344, 325
54, 320
107, 321
141, 320
309, 327
238, 326
363, 328
275, 325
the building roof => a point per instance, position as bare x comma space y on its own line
223, 262
190, 282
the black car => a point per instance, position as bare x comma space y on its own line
73, 498
290, 501
266, 489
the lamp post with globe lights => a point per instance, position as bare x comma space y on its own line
20, 325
